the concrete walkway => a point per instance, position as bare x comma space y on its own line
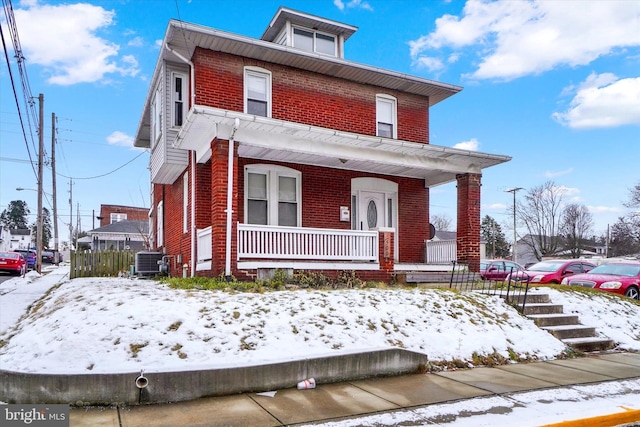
350, 401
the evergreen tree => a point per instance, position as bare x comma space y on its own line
46, 228
496, 243
15, 215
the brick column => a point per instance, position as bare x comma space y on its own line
386, 252
219, 162
468, 234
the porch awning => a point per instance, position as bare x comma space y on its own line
277, 140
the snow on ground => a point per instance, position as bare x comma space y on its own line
100, 325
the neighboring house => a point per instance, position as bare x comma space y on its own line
114, 213
14, 238
279, 153
123, 235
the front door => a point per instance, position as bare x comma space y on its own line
371, 211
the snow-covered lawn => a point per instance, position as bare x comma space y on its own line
99, 325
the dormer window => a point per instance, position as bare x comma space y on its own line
312, 41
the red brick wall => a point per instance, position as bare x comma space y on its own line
305, 97
468, 233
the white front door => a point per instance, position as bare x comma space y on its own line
371, 210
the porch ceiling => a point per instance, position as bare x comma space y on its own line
276, 140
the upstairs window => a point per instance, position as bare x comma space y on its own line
257, 92
117, 217
312, 41
386, 116
156, 117
178, 93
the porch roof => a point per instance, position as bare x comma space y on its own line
277, 140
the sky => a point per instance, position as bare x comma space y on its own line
553, 84
88, 325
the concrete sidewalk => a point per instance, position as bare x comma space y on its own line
350, 401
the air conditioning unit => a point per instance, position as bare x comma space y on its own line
147, 263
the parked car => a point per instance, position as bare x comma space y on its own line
619, 277
49, 257
30, 256
498, 269
553, 271
13, 262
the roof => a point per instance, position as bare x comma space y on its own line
120, 227
284, 14
20, 232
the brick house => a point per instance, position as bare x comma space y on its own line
110, 214
279, 153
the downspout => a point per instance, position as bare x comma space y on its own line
194, 230
227, 263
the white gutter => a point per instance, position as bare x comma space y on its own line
194, 231
227, 263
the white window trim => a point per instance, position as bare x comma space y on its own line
185, 203
117, 217
259, 72
160, 225
174, 100
273, 172
394, 112
156, 117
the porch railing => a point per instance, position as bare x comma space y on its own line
441, 252
273, 242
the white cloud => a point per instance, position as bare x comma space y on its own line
567, 191
120, 139
136, 41
353, 4
471, 145
496, 207
63, 39
605, 209
518, 38
603, 100
550, 174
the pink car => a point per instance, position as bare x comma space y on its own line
554, 271
619, 277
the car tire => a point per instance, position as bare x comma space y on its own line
632, 292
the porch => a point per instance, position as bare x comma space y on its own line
271, 247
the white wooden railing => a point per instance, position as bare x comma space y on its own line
204, 244
273, 242
440, 251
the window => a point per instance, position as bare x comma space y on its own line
312, 41
117, 217
156, 117
160, 225
178, 94
272, 195
386, 116
185, 202
257, 91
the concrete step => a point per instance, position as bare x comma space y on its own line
589, 344
563, 332
542, 309
554, 319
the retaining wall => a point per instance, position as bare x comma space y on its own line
109, 389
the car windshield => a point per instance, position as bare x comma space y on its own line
9, 255
629, 270
483, 265
546, 266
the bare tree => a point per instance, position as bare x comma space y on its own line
633, 218
540, 213
576, 227
441, 222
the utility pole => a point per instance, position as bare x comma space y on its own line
40, 190
70, 214
515, 235
56, 255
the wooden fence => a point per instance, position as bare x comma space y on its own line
101, 264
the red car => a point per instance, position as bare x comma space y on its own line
620, 277
554, 271
13, 262
498, 269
